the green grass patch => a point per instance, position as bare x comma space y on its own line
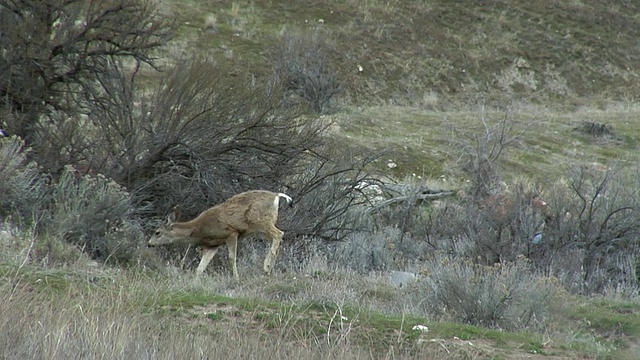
609, 316
530, 341
53, 280
215, 316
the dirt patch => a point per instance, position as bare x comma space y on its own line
480, 349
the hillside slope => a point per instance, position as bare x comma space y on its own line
570, 52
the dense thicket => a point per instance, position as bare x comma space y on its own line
81, 85
107, 141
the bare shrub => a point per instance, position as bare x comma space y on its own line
404, 209
582, 229
504, 226
592, 230
603, 134
503, 221
329, 207
62, 140
22, 188
199, 137
53, 54
508, 296
595, 129
497, 228
482, 148
300, 62
422, 217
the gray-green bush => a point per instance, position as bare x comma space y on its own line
89, 211
366, 252
508, 296
22, 187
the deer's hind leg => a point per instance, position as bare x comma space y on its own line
232, 245
275, 235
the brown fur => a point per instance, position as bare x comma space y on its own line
244, 214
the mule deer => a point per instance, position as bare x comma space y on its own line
244, 214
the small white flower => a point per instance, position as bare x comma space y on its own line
343, 318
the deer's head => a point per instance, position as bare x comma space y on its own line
168, 233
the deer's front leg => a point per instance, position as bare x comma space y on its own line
207, 255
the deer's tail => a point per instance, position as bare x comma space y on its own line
286, 197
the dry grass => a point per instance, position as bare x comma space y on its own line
49, 314
83, 311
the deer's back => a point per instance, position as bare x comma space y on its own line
247, 211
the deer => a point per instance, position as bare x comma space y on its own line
247, 213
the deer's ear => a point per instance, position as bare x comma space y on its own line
173, 216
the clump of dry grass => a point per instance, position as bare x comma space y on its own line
211, 23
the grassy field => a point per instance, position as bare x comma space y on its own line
433, 73
438, 54
426, 142
85, 311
